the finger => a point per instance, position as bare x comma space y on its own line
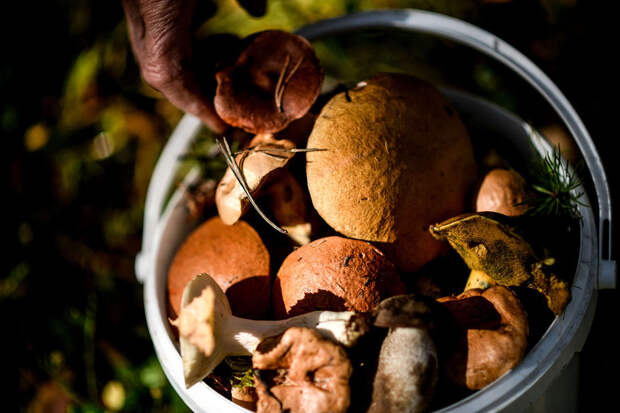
135, 27
163, 49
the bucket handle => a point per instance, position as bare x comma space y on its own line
422, 22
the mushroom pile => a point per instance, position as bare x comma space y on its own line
375, 192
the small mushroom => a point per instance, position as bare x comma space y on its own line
289, 204
208, 331
334, 273
236, 258
301, 371
488, 242
492, 330
503, 191
559, 137
264, 157
274, 81
407, 372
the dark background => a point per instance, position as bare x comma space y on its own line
81, 134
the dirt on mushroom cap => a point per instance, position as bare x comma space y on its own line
334, 273
396, 157
235, 256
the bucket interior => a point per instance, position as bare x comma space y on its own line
520, 143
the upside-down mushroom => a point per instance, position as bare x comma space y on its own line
208, 332
275, 80
489, 243
491, 336
301, 371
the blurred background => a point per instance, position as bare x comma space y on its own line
81, 134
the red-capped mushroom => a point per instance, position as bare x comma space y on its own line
336, 274
274, 81
235, 256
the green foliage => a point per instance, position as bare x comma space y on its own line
555, 184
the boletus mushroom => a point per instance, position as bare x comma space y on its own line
408, 368
334, 273
488, 243
396, 157
407, 372
258, 164
504, 191
235, 256
491, 329
275, 80
208, 332
301, 371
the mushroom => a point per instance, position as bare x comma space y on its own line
264, 157
208, 331
334, 273
487, 242
503, 191
407, 372
236, 258
559, 137
274, 81
289, 205
396, 157
301, 371
492, 330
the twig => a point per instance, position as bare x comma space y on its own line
232, 164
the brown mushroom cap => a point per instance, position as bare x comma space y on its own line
236, 258
503, 191
275, 80
301, 371
336, 274
493, 330
396, 158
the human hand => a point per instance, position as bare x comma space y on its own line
161, 40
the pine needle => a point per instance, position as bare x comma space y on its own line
554, 186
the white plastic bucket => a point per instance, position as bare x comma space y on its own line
542, 379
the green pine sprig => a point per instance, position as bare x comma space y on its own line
242, 374
554, 186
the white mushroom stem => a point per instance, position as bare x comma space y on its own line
209, 332
407, 372
243, 335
